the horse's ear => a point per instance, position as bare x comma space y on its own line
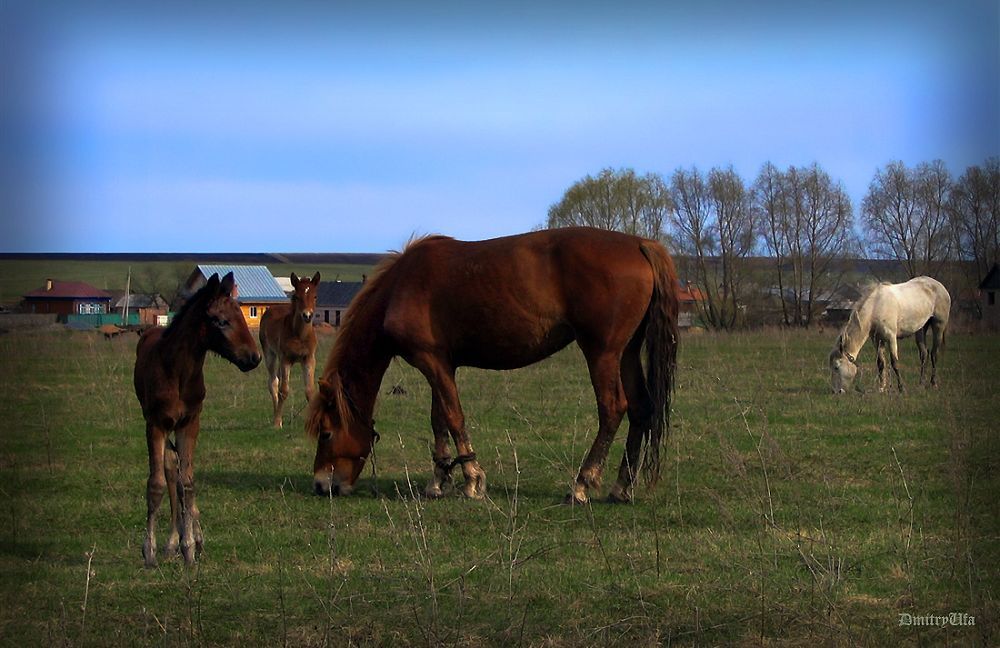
295, 280
315, 279
227, 285
213, 283
840, 343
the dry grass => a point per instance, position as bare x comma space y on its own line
785, 516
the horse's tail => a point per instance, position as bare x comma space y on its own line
661, 352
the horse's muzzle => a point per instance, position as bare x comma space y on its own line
250, 363
307, 316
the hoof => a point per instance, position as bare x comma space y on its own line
149, 560
619, 496
433, 491
573, 499
474, 492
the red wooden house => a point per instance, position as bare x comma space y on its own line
66, 298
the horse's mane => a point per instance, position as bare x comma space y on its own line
866, 290
178, 320
356, 323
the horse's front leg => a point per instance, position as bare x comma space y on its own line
893, 360
883, 378
155, 487
176, 500
192, 540
442, 380
442, 481
605, 374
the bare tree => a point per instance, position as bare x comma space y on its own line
692, 223
805, 222
615, 200
730, 201
824, 236
770, 206
905, 216
934, 236
974, 207
713, 225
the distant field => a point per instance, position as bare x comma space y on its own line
23, 275
785, 515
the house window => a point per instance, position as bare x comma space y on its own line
326, 316
253, 311
991, 298
337, 319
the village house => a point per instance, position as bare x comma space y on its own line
989, 288
64, 298
332, 300
143, 310
256, 289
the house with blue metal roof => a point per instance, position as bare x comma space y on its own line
256, 287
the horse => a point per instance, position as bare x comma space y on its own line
286, 338
885, 313
502, 304
170, 385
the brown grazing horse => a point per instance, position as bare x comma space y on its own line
286, 338
503, 304
170, 384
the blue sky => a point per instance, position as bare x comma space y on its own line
328, 126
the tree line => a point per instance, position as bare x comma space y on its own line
784, 235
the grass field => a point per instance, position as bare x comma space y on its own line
785, 515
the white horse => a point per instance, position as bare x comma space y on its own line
887, 312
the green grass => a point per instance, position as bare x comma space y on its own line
785, 515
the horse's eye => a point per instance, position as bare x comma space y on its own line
221, 322
325, 435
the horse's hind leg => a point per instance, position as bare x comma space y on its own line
155, 486
921, 337
605, 375
640, 415
937, 329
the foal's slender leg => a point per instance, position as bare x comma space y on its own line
309, 375
191, 536
442, 380
272, 386
176, 499
921, 337
155, 486
284, 369
605, 374
640, 413
442, 480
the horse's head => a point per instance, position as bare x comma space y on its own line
304, 297
225, 327
343, 440
843, 368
